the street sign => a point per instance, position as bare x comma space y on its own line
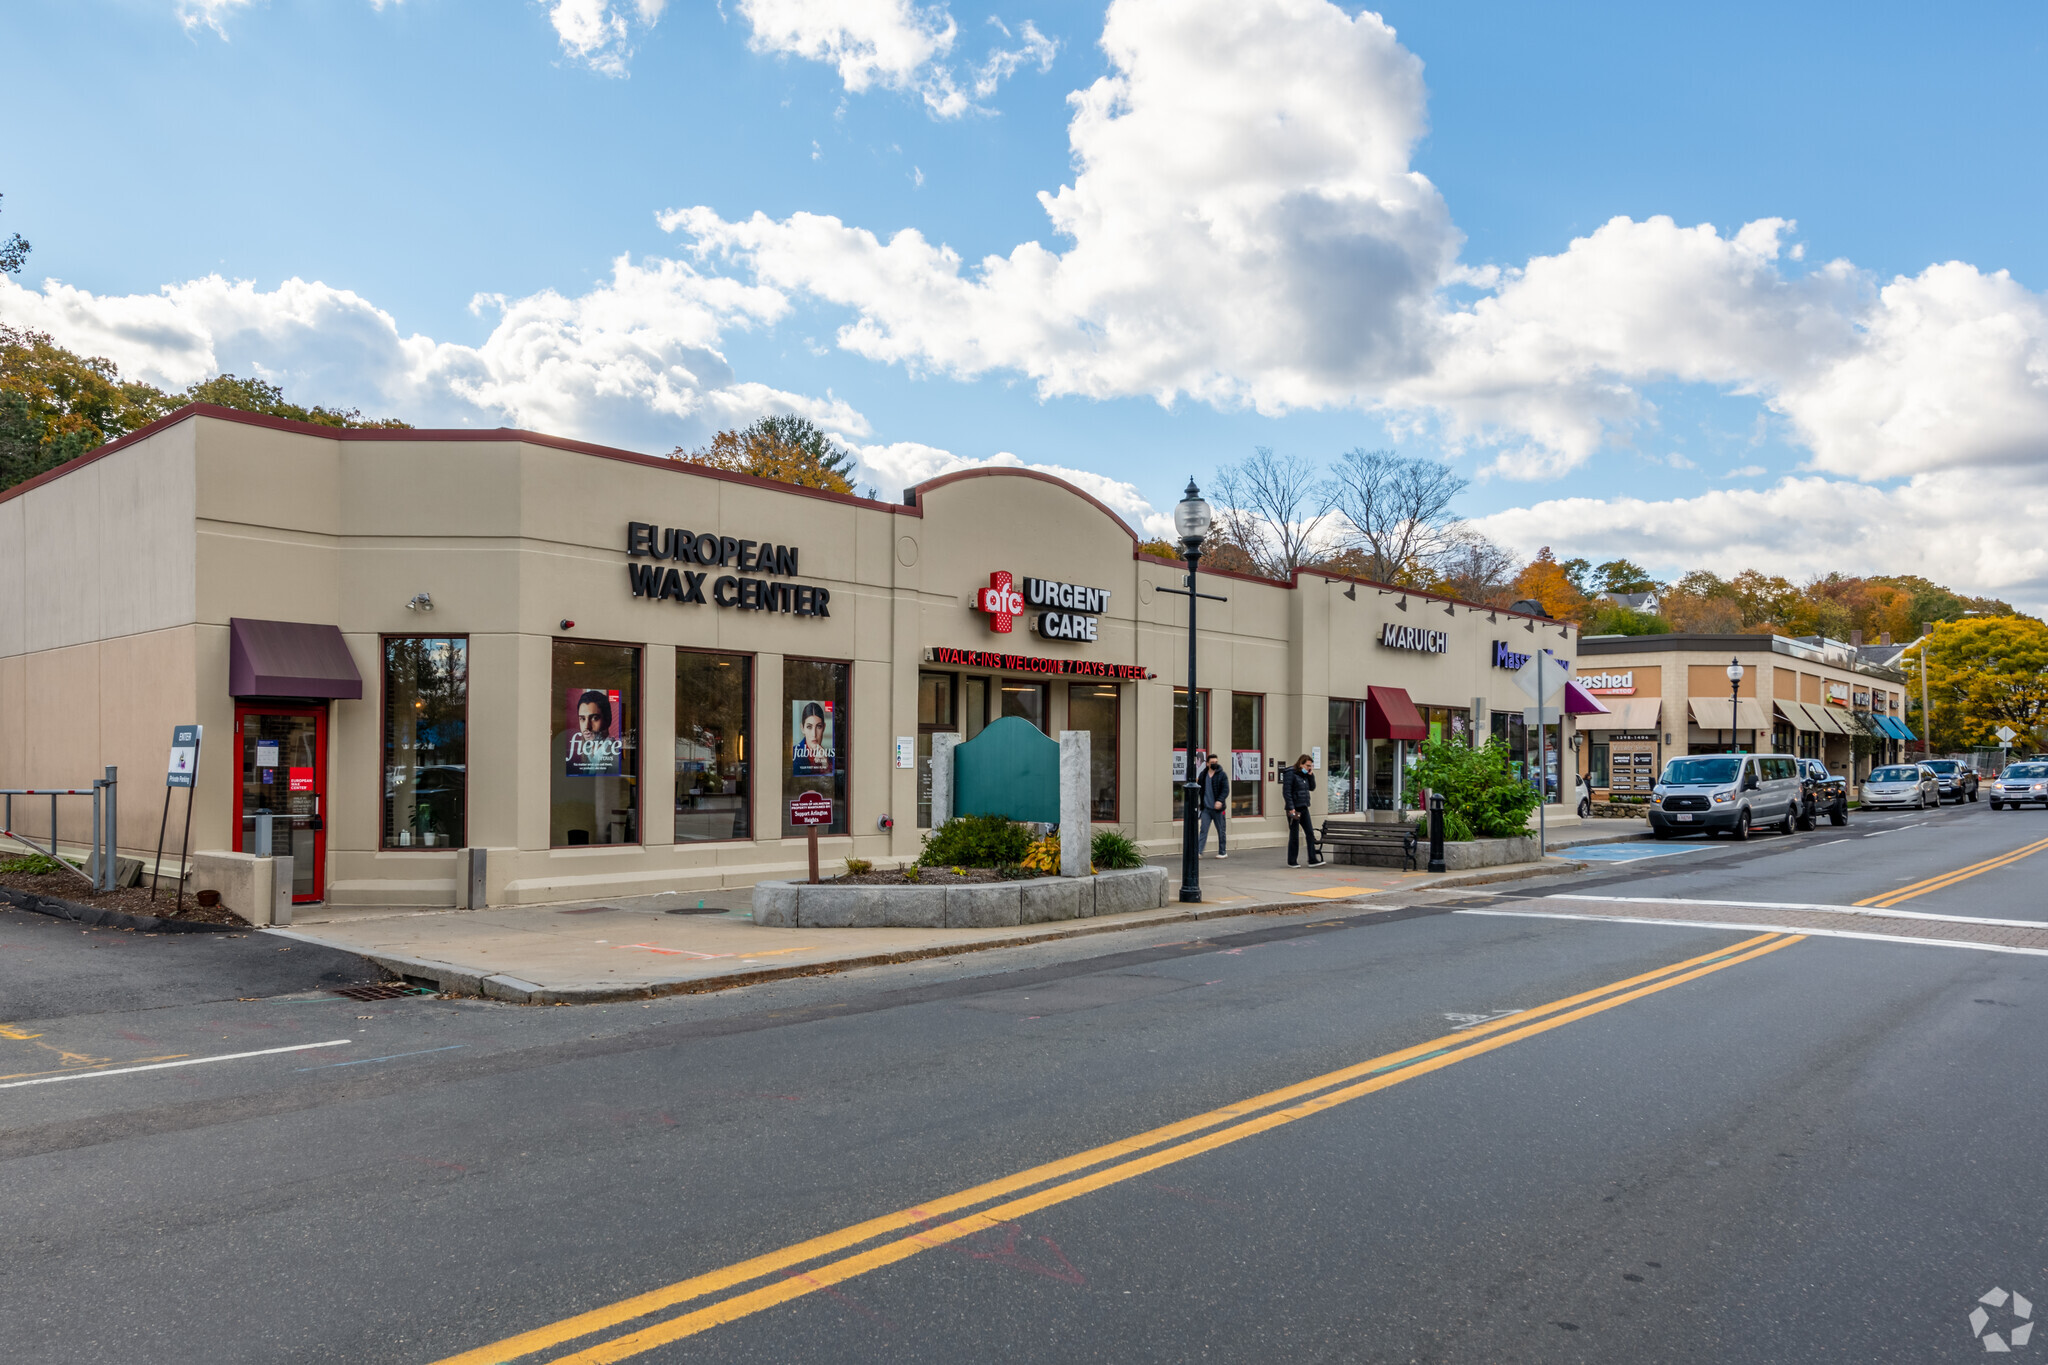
2006, 735
184, 762
1554, 677
811, 808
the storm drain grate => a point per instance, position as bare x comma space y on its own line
589, 910
699, 910
384, 990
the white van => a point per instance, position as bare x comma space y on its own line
1734, 792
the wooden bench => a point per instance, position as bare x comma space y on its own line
1355, 841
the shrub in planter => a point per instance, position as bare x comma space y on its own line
1480, 790
1456, 831
1114, 851
1043, 857
976, 841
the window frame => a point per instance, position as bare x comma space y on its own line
1256, 795
639, 758
1116, 787
845, 760
753, 734
383, 715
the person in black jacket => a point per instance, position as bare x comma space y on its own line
1297, 784
1215, 795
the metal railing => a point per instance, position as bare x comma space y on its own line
105, 823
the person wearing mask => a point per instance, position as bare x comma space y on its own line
1215, 801
1297, 785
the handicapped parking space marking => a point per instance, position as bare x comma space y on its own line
1628, 853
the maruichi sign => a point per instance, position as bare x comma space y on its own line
1064, 611
1415, 638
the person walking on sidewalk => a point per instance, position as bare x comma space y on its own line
1215, 809
1297, 784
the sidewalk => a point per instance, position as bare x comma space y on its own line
590, 952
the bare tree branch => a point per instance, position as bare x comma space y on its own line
1399, 511
1271, 508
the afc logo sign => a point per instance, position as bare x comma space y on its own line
1003, 603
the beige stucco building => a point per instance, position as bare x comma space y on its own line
617, 673
1669, 695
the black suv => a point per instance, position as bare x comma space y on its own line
1829, 794
1958, 779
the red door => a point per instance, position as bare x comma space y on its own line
284, 772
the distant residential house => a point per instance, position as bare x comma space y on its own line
1635, 601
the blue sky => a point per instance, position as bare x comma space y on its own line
1656, 393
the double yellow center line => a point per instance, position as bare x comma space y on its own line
1885, 900
946, 1220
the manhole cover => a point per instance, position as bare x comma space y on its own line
383, 990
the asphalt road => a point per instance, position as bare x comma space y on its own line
1512, 1140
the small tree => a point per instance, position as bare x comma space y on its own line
784, 448
1483, 799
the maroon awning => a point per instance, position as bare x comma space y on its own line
1390, 715
290, 659
1579, 702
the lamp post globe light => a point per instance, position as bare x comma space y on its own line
1191, 518
1734, 695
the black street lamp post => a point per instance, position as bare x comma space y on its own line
1191, 518
1735, 706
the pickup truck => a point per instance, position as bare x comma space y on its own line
1827, 793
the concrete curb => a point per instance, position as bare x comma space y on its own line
454, 980
59, 908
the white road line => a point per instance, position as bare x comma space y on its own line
1763, 928
1799, 905
163, 1066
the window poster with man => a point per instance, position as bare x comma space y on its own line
597, 725
814, 748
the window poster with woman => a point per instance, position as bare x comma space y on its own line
814, 744
597, 725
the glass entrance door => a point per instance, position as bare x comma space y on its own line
284, 772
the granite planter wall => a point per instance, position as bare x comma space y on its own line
976, 905
1467, 854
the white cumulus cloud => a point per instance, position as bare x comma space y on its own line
600, 33
1244, 225
893, 44
635, 360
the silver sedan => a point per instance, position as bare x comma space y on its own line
2020, 783
1902, 784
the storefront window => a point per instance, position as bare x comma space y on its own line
1596, 766
714, 705
937, 714
594, 758
816, 738
1093, 707
426, 742
1340, 758
1180, 743
1247, 753
1026, 699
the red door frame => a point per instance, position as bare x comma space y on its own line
318, 711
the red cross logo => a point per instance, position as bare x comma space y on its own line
1003, 603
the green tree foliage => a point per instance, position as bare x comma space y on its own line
1982, 673
1621, 575
56, 405
256, 395
1609, 618
13, 254
1482, 795
786, 449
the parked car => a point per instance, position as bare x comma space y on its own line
1585, 798
1902, 784
1733, 792
1958, 779
2019, 784
1830, 791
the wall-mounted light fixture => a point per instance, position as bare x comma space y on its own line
421, 601
1402, 604
1352, 592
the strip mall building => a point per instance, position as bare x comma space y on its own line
616, 672
1669, 695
